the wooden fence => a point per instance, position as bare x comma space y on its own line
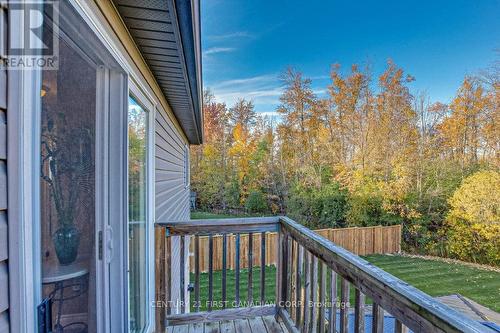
361, 241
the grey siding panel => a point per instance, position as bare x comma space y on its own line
4, 322
161, 153
166, 165
4, 242
4, 285
3, 88
172, 197
4, 254
3, 136
171, 193
165, 177
3, 185
169, 133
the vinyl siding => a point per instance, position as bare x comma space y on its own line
171, 192
4, 255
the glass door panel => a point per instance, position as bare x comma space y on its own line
68, 190
138, 216
72, 102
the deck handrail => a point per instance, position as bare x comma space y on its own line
219, 226
412, 307
303, 260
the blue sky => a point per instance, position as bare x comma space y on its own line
248, 43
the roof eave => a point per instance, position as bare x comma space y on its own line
188, 23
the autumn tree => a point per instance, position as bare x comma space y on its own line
462, 129
349, 116
368, 152
300, 113
209, 162
243, 114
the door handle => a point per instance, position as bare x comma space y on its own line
109, 244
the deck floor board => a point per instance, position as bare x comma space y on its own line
266, 324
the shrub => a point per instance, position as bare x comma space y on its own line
256, 203
232, 195
474, 219
318, 208
366, 206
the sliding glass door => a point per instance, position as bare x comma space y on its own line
82, 134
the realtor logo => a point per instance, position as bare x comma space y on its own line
33, 41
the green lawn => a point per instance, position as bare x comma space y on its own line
436, 278
231, 287
206, 215
198, 215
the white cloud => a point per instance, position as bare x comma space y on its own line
230, 35
319, 92
320, 77
262, 79
263, 90
270, 114
215, 50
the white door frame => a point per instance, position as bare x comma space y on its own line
150, 107
23, 194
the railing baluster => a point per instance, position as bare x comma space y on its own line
288, 275
333, 301
344, 306
210, 272
359, 312
399, 328
293, 280
298, 279
322, 289
250, 269
284, 286
168, 274
314, 293
262, 267
307, 293
378, 319
224, 270
237, 271
197, 272
182, 275
279, 268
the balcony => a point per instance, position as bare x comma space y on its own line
319, 287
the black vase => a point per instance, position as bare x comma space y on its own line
66, 241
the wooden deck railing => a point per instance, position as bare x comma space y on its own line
314, 279
358, 240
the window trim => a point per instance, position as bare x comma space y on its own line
150, 107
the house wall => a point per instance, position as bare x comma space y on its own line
171, 190
4, 255
171, 198
171, 194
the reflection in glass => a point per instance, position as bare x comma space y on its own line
137, 157
67, 188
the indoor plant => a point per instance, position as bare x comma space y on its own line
67, 166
